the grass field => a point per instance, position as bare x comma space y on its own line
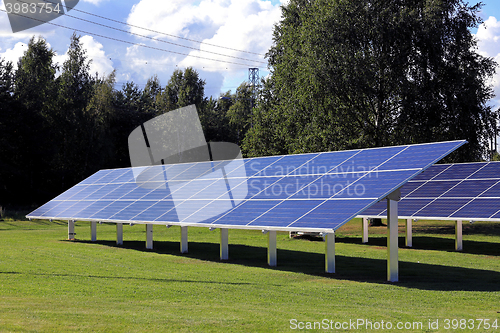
50, 284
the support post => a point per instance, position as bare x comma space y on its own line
184, 239
408, 240
149, 236
271, 248
119, 234
365, 230
392, 241
224, 244
330, 253
458, 235
71, 230
93, 231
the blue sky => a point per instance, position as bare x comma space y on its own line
238, 25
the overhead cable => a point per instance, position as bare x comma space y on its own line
135, 44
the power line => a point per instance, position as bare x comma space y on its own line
164, 41
132, 43
153, 38
155, 31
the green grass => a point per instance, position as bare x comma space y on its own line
50, 284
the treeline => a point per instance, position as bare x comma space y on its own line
56, 128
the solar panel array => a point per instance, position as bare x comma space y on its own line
318, 191
466, 191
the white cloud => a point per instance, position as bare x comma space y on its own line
488, 35
13, 54
138, 59
237, 24
101, 63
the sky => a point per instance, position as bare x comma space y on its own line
221, 39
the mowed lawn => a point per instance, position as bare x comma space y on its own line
49, 284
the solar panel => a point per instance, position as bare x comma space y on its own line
465, 191
316, 191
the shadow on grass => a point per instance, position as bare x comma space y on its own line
431, 243
412, 275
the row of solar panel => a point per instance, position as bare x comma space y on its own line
248, 192
473, 193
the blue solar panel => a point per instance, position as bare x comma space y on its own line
445, 206
434, 189
305, 191
431, 172
459, 171
453, 191
479, 208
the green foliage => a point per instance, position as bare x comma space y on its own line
8, 116
150, 95
184, 88
240, 111
214, 121
495, 156
31, 124
35, 84
349, 74
265, 136
71, 126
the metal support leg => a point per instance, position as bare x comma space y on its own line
408, 240
119, 234
184, 239
224, 244
330, 253
93, 231
271, 248
149, 236
365, 230
392, 241
458, 235
71, 230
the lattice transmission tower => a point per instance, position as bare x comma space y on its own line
253, 79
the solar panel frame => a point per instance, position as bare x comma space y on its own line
326, 212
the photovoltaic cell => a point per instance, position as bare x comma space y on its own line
318, 191
467, 191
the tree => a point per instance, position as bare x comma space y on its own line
150, 95
35, 92
263, 138
35, 85
9, 123
101, 114
356, 73
240, 111
74, 91
214, 120
75, 81
184, 88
